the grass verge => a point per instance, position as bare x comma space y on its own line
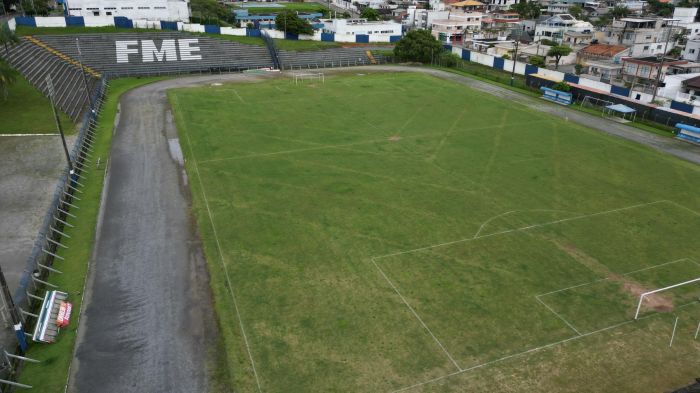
299, 7
502, 79
51, 374
27, 111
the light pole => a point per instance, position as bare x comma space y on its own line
663, 58
82, 73
52, 98
515, 58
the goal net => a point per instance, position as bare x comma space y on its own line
309, 76
596, 103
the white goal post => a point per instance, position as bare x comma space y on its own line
642, 296
310, 76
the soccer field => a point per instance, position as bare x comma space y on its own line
384, 231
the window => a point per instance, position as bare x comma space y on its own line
127, 8
646, 47
658, 46
144, 8
95, 13
692, 51
75, 9
109, 13
110, 8
92, 9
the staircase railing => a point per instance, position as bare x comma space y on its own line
273, 50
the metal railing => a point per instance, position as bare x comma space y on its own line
42, 260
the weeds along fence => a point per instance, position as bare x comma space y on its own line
42, 263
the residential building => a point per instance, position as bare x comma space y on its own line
167, 10
468, 6
500, 24
553, 28
602, 62
420, 18
685, 15
691, 52
456, 26
576, 39
644, 36
645, 70
361, 26
493, 5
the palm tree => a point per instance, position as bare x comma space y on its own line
7, 37
8, 76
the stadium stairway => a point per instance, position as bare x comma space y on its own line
36, 61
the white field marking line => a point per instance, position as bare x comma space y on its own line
685, 208
607, 278
351, 144
512, 356
416, 314
513, 211
521, 229
9, 135
223, 265
534, 350
558, 316
239, 96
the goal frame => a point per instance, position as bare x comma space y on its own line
643, 295
309, 75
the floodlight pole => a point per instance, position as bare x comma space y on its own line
515, 58
82, 73
52, 94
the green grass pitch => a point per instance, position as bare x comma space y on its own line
397, 232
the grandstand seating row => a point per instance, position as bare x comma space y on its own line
334, 57
99, 51
36, 64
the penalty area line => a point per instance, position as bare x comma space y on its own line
416, 314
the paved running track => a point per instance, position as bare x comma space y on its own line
148, 322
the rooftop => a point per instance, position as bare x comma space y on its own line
654, 60
693, 83
603, 50
467, 3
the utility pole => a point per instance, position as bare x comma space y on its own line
82, 73
515, 59
52, 98
663, 58
14, 314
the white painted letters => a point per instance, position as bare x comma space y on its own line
123, 50
151, 53
186, 49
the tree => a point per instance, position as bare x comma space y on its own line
369, 13
561, 86
418, 45
578, 68
537, 61
602, 20
8, 37
558, 52
576, 11
209, 11
620, 12
35, 7
505, 57
526, 9
659, 8
345, 15
8, 76
289, 22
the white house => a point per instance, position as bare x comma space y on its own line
456, 26
494, 5
361, 26
691, 51
167, 10
553, 28
420, 18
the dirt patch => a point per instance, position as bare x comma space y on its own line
654, 301
394, 138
